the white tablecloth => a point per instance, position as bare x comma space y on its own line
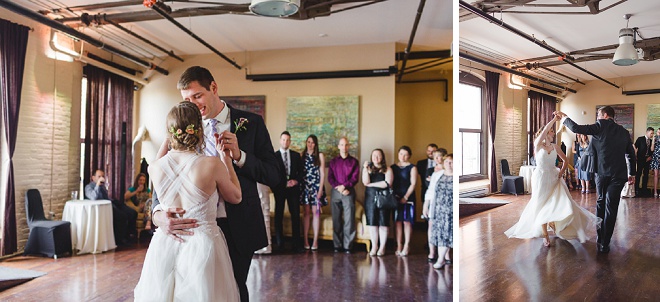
526, 173
91, 225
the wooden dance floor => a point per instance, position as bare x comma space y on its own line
495, 268
310, 276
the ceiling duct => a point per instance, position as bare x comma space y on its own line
274, 8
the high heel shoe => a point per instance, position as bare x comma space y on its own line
439, 265
373, 252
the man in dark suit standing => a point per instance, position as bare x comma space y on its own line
245, 135
289, 191
643, 148
611, 142
423, 167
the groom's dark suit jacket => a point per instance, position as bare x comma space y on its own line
611, 142
246, 219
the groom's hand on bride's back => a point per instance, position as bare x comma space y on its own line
170, 223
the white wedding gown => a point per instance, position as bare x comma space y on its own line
551, 202
198, 269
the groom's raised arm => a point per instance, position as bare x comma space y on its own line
592, 129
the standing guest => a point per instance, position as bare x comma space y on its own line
136, 198
425, 165
289, 191
438, 206
313, 194
405, 178
376, 175
585, 176
655, 161
438, 156
245, 136
343, 175
644, 155
123, 217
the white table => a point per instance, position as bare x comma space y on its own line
526, 173
91, 225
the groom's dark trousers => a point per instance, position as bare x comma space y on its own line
607, 205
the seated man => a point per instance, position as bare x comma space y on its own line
123, 217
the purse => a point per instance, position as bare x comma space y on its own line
385, 199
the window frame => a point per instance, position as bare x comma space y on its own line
466, 78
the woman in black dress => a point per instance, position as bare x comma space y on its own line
405, 179
376, 175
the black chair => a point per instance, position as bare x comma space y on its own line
510, 183
47, 237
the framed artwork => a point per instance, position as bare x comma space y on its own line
653, 118
251, 103
328, 117
624, 115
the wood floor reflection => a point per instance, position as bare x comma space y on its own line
310, 276
495, 268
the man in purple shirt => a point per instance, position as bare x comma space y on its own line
343, 172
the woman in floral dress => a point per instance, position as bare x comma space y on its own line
313, 196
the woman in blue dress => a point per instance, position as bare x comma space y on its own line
313, 194
583, 174
405, 179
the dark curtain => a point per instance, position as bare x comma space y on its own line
109, 104
541, 107
492, 90
13, 46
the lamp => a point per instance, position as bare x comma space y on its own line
626, 54
274, 8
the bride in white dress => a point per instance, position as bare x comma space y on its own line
551, 204
198, 269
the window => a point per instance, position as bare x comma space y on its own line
471, 121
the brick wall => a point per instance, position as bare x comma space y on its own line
511, 129
47, 155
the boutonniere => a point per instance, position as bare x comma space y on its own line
240, 124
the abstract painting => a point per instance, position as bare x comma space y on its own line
328, 117
251, 103
653, 119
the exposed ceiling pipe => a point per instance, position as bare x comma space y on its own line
640, 92
559, 62
157, 8
432, 54
593, 9
420, 9
345, 9
74, 33
85, 59
543, 44
533, 89
418, 68
513, 71
576, 80
150, 15
141, 38
92, 6
440, 61
384, 72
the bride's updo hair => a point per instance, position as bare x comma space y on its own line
538, 133
184, 125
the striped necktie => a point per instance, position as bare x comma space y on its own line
210, 140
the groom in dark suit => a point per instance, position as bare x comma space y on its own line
611, 142
289, 191
245, 136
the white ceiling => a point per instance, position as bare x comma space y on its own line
569, 33
388, 21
